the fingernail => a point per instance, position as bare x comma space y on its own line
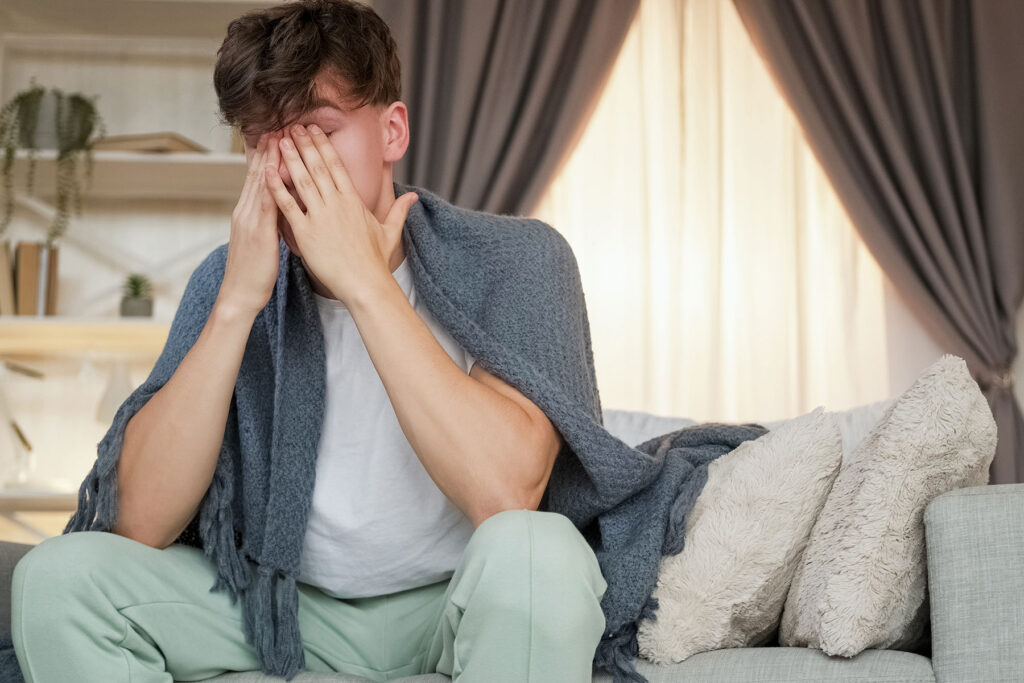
299, 130
287, 143
315, 129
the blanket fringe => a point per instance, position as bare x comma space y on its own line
270, 596
97, 498
216, 528
270, 622
616, 653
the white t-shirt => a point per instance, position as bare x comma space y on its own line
378, 522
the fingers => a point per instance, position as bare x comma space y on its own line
335, 166
284, 200
311, 150
400, 211
272, 159
312, 192
254, 176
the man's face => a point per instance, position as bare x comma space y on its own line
357, 135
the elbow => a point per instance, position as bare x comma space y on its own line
495, 505
524, 497
139, 535
524, 490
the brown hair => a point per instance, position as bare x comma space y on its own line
266, 66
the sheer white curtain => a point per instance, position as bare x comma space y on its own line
723, 278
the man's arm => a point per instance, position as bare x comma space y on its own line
485, 445
170, 446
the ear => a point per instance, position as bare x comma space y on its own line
395, 126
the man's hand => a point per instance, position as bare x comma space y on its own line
251, 269
342, 242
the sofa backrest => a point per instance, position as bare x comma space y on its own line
636, 426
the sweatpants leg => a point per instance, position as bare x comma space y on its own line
96, 606
523, 606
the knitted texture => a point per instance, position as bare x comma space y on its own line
508, 291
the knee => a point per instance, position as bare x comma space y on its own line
557, 551
58, 564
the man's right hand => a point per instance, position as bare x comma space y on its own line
252, 262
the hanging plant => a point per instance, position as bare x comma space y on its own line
75, 119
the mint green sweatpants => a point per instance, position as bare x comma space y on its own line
523, 606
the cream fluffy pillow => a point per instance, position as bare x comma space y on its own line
862, 580
744, 537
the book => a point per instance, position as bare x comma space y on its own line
26, 276
7, 306
50, 283
35, 277
163, 141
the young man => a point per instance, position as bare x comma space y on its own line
422, 552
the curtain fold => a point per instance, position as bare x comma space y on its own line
913, 108
498, 90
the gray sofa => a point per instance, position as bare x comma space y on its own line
975, 552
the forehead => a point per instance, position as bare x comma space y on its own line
322, 112
330, 98
323, 107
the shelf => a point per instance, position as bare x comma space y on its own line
37, 501
199, 18
48, 335
142, 175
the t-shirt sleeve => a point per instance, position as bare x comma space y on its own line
470, 361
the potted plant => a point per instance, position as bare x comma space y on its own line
137, 299
39, 118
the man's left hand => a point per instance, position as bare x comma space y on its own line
341, 240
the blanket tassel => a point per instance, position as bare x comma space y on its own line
97, 498
216, 528
270, 627
617, 652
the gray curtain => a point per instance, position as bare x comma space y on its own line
915, 110
498, 90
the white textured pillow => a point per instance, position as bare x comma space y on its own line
862, 582
744, 537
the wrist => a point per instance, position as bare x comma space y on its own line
371, 291
230, 311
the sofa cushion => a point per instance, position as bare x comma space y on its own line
633, 427
862, 581
787, 665
316, 677
744, 537
737, 665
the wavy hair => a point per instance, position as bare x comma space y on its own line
267, 65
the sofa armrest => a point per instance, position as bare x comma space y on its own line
974, 539
10, 553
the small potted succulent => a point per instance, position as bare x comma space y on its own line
40, 118
137, 299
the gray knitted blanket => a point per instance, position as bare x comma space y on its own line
508, 290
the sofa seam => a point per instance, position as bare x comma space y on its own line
981, 493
